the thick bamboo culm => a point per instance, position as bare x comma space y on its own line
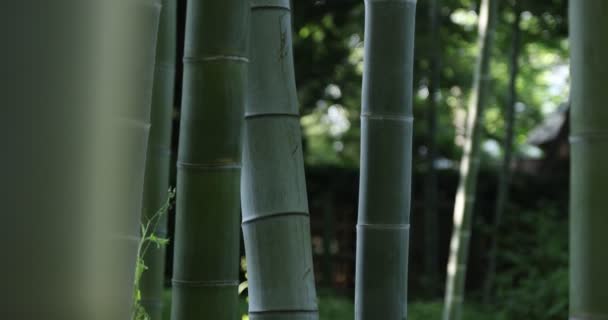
276, 225
589, 152
129, 38
156, 183
469, 167
76, 89
206, 256
386, 160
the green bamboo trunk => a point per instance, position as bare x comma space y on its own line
502, 198
127, 40
386, 161
75, 85
159, 156
431, 218
206, 262
276, 226
589, 174
469, 167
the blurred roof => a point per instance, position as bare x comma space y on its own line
550, 129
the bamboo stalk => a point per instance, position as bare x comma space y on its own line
75, 146
158, 161
589, 152
469, 167
386, 151
431, 218
127, 49
502, 198
209, 161
276, 225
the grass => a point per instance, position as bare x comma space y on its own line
333, 307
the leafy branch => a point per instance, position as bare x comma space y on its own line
148, 238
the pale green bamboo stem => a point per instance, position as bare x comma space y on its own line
469, 167
504, 179
386, 161
128, 43
276, 224
76, 91
209, 161
159, 156
589, 174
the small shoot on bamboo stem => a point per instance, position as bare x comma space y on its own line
148, 239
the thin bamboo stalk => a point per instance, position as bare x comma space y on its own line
156, 183
502, 198
431, 218
469, 167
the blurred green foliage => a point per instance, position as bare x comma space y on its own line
434, 310
328, 49
532, 282
332, 307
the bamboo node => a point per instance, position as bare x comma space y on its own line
211, 166
133, 123
588, 316
191, 60
125, 237
164, 67
270, 4
396, 1
159, 149
205, 283
405, 226
284, 311
387, 117
589, 137
251, 115
258, 217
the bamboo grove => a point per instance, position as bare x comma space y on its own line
241, 160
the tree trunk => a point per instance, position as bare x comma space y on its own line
276, 225
502, 198
469, 167
431, 219
206, 263
128, 47
76, 87
589, 177
158, 161
386, 161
